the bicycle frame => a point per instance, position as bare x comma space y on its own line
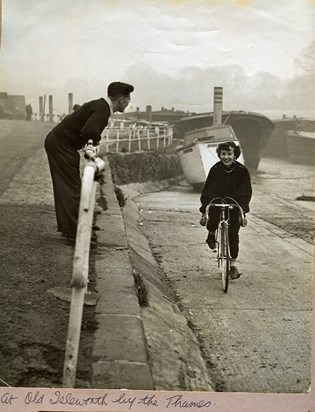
223, 225
222, 235
223, 251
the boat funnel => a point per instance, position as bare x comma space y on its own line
217, 106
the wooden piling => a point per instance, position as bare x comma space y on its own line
70, 103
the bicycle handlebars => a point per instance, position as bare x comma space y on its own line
229, 205
223, 205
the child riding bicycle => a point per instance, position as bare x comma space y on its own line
227, 178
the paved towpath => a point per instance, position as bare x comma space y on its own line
257, 337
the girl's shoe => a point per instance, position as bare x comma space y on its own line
211, 241
234, 273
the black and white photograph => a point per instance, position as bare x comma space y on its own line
157, 199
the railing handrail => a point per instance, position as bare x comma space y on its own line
80, 271
138, 134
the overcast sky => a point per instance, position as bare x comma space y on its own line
60, 46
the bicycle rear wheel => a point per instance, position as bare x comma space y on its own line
224, 257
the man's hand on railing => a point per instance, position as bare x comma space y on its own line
89, 150
91, 153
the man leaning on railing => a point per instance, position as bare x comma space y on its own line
62, 145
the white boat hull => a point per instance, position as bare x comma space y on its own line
196, 161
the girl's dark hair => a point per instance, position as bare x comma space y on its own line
117, 89
228, 146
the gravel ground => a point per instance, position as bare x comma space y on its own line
33, 260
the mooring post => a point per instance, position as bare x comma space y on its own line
217, 106
41, 110
51, 115
70, 103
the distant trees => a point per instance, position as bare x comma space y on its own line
306, 61
192, 88
301, 87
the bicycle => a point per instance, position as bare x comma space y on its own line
222, 234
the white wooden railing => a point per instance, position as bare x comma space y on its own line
137, 138
80, 273
119, 136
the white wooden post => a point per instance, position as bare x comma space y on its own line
158, 136
129, 143
139, 138
80, 273
117, 140
148, 137
107, 138
171, 132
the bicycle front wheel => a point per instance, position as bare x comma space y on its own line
225, 257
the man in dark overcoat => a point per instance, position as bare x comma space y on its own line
62, 145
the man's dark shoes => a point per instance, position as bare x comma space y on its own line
70, 237
70, 240
211, 241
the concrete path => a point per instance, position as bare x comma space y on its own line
257, 337
138, 346
120, 358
